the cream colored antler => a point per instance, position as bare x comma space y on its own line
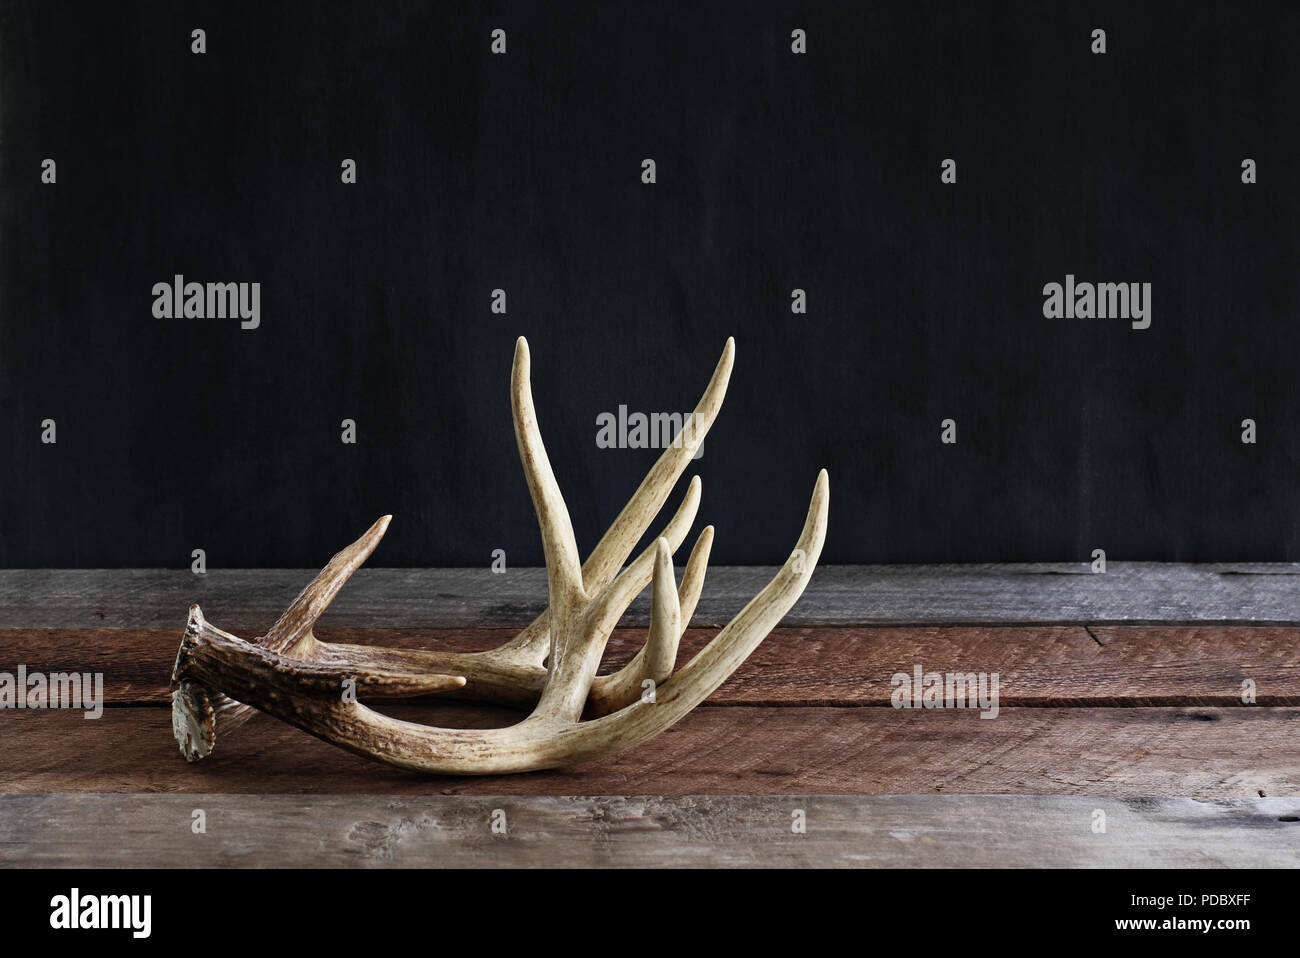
549, 667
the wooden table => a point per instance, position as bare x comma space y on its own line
1121, 695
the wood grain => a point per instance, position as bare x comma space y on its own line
1123, 752
1099, 710
251, 599
1037, 665
979, 831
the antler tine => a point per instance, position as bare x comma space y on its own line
532, 644
576, 657
693, 576
684, 517
655, 659
563, 567
296, 623
195, 711
608, 607
665, 618
571, 675
717, 660
578, 641
631, 523
626, 530
699, 678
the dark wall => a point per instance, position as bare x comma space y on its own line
522, 172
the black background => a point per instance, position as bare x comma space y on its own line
522, 171
1086, 900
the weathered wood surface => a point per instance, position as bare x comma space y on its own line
1097, 711
1116, 752
1137, 592
1023, 831
1037, 665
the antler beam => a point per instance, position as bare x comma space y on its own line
550, 666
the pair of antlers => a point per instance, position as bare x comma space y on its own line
549, 667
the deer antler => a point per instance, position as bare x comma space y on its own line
549, 667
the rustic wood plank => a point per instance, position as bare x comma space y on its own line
1037, 665
1216, 753
1204, 662
980, 831
1137, 592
